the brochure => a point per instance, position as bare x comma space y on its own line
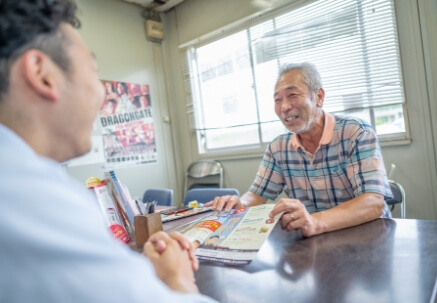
109, 210
234, 237
122, 196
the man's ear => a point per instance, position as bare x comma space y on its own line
320, 97
40, 73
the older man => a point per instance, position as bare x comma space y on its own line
330, 167
55, 246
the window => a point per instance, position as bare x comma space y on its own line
353, 43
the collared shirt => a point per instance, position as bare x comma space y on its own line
55, 246
346, 164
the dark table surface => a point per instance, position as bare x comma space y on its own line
381, 261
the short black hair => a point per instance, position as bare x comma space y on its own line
33, 24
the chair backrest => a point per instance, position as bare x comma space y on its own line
398, 197
204, 195
200, 173
164, 196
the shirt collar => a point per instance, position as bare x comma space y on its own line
328, 132
12, 142
9, 139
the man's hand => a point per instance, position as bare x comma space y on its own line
229, 202
295, 217
364, 208
184, 243
173, 258
225, 201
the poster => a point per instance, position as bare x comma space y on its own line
128, 131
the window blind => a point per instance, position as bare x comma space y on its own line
354, 45
229, 82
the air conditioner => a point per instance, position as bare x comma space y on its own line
157, 5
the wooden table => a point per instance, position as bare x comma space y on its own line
382, 261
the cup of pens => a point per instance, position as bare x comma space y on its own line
147, 223
146, 208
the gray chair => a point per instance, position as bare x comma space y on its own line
398, 197
204, 174
204, 195
163, 196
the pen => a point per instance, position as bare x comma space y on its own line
178, 211
140, 206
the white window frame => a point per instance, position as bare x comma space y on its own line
246, 151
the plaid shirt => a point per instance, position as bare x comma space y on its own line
347, 163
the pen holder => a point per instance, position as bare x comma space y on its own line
145, 226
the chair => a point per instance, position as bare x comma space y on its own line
162, 195
204, 195
204, 174
398, 197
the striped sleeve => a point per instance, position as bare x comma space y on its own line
269, 181
365, 168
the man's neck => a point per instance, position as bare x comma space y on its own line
37, 135
310, 140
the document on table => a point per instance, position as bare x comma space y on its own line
234, 237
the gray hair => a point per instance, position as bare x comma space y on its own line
309, 72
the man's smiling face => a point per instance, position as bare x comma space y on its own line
295, 105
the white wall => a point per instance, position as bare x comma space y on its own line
416, 163
114, 31
428, 13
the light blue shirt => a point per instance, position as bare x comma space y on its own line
54, 244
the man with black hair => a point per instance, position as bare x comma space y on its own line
55, 245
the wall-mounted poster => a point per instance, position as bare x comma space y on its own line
127, 125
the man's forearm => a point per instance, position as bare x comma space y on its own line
362, 209
252, 199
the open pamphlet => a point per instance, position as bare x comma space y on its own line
231, 238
